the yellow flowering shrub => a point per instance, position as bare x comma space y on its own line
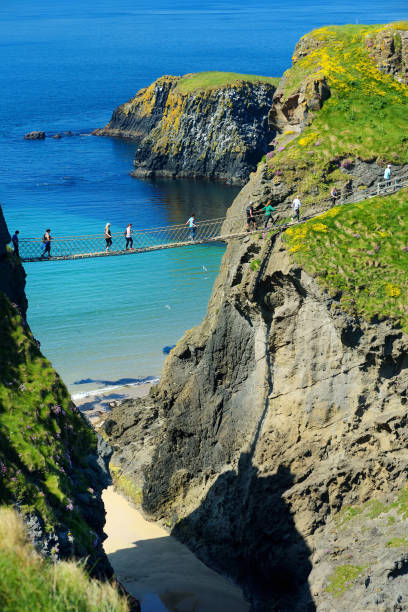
307, 140
392, 291
319, 227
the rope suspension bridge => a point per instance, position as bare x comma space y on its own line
171, 236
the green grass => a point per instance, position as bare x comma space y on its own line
366, 116
44, 441
202, 81
255, 264
29, 582
343, 578
374, 508
357, 252
397, 542
125, 485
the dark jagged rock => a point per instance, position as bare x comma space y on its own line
219, 133
35, 136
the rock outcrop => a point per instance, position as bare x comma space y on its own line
219, 133
389, 50
35, 136
53, 467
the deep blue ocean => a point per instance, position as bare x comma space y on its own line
65, 66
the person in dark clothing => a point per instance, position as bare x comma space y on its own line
334, 196
14, 240
108, 237
250, 216
46, 240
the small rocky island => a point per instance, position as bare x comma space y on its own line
206, 125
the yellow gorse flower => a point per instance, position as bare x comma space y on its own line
392, 291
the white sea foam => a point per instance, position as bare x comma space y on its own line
93, 392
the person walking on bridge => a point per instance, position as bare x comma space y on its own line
191, 222
128, 236
296, 204
46, 240
108, 236
14, 240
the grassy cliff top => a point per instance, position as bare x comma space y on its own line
359, 253
29, 582
202, 81
366, 116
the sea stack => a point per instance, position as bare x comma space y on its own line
205, 125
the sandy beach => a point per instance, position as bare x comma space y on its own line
163, 574
160, 571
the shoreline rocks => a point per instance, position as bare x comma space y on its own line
35, 136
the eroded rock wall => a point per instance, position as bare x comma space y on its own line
270, 417
389, 50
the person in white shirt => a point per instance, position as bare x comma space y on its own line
128, 236
296, 204
387, 173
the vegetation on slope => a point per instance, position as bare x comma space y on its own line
366, 116
29, 582
359, 253
43, 440
202, 81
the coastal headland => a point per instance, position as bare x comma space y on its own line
207, 125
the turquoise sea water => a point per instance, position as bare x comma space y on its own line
65, 66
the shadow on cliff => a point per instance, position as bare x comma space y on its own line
244, 529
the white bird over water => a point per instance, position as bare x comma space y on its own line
168, 307
205, 269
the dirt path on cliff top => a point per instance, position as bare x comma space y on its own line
157, 569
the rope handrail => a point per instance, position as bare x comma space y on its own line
208, 230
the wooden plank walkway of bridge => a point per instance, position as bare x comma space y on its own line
174, 236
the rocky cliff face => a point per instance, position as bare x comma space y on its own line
274, 444
219, 133
278, 412
389, 49
52, 466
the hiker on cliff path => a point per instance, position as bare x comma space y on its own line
296, 204
269, 209
14, 240
334, 195
387, 174
250, 216
46, 242
108, 236
191, 222
128, 236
